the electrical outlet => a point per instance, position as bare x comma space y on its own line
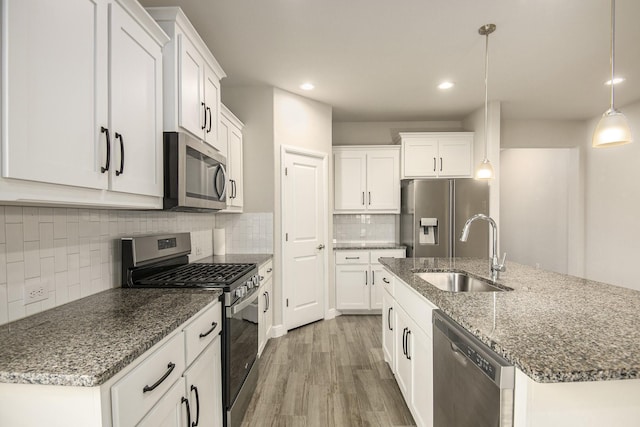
35, 292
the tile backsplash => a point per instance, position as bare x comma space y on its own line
72, 252
366, 228
247, 232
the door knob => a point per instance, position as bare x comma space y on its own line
321, 246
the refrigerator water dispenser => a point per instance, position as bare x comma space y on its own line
428, 231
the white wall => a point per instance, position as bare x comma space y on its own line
475, 122
304, 123
543, 134
253, 105
612, 202
534, 206
381, 133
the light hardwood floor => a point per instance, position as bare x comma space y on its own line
329, 373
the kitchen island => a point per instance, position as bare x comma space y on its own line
575, 342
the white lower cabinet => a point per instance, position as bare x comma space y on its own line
408, 348
170, 411
203, 387
265, 309
359, 278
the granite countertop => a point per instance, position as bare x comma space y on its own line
238, 259
366, 246
554, 327
87, 341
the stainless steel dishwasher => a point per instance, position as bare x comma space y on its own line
472, 385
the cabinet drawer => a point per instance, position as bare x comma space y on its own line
202, 331
265, 271
415, 305
352, 257
388, 281
386, 253
160, 369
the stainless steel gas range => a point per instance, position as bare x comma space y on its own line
161, 261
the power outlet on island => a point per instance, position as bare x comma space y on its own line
35, 292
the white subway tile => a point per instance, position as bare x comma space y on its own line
59, 223
73, 272
47, 272
16, 310
3, 263
74, 292
60, 254
4, 305
62, 288
72, 238
49, 302
15, 281
3, 237
85, 281
15, 242
46, 214
30, 219
13, 214
31, 259
72, 215
46, 239
95, 264
85, 251
33, 308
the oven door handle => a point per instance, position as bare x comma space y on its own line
235, 309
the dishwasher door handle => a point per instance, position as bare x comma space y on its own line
458, 354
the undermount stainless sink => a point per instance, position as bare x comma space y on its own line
458, 282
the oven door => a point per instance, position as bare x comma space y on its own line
242, 335
195, 175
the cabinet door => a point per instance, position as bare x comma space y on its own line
403, 363
262, 314
191, 108
223, 136
204, 387
55, 98
383, 180
419, 157
352, 287
377, 288
212, 105
350, 175
235, 191
388, 330
136, 107
421, 403
170, 411
455, 156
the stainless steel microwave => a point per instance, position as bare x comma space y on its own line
194, 174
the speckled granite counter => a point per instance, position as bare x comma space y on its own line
553, 327
238, 258
87, 341
366, 246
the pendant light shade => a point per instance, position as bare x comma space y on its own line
484, 170
613, 128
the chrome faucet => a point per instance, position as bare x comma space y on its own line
496, 267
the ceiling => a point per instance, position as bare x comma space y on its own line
381, 60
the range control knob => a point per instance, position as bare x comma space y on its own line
249, 284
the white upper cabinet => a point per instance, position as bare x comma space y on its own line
191, 79
437, 154
136, 116
366, 179
81, 98
231, 130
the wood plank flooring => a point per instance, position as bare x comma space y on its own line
329, 373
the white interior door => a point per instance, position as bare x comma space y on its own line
304, 224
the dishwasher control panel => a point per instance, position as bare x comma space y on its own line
482, 363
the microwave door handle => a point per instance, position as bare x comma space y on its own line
219, 169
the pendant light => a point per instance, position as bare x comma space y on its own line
613, 128
485, 170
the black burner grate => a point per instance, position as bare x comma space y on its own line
222, 274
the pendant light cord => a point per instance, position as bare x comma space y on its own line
613, 48
486, 97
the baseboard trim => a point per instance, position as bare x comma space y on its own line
278, 331
332, 313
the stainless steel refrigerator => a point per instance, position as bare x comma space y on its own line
433, 212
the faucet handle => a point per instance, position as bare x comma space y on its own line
502, 267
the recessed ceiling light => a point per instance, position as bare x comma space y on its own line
445, 85
307, 86
616, 80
